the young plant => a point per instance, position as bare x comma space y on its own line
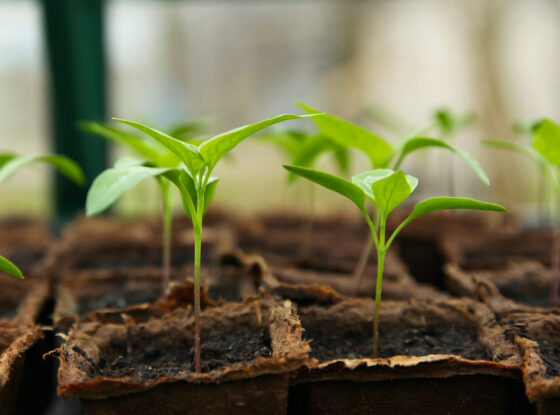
304, 149
544, 150
10, 163
383, 154
386, 189
155, 155
193, 178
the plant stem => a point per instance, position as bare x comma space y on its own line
166, 254
380, 265
197, 255
381, 251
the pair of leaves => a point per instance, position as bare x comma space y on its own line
380, 152
10, 163
387, 189
9, 268
212, 150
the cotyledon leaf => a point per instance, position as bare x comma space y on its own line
9, 268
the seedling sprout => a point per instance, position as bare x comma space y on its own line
10, 163
193, 178
386, 189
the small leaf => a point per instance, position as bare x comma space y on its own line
351, 135
64, 165
366, 181
392, 191
186, 152
547, 141
187, 188
331, 182
151, 151
417, 143
5, 157
128, 161
517, 148
216, 147
449, 122
112, 183
443, 203
9, 268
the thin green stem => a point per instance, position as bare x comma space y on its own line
381, 251
197, 256
166, 254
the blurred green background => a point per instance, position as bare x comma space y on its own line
386, 64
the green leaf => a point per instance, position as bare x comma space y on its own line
187, 130
392, 191
186, 152
547, 141
517, 148
151, 151
9, 268
64, 165
351, 135
112, 183
443, 203
417, 143
289, 141
366, 181
449, 122
128, 161
187, 188
215, 148
5, 157
331, 182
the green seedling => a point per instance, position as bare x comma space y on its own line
155, 155
385, 155
303, 149
386, 189
10, 163
193, 178
544, 150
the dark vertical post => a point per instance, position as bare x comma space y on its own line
74, 45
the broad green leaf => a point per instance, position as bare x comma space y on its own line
518, 148
112, 183
331, 182
216, 147
547, 141
64, 165
309, 150
9, 268
443, 203
186, 152
351, 135
151, 151
417, 143
392, 191
367, 179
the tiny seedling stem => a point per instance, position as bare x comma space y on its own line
166, 253
197, 250
380, 265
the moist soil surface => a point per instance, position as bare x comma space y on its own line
518, 293
116, 299
430, 339
550, 354
220, 347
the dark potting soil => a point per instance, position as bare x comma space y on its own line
421, 341
220, 347
115, 299
517, 292
550, 354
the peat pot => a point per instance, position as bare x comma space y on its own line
248, 352
435, 357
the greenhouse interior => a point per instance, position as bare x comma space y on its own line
279, 207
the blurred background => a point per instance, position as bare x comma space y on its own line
385, 64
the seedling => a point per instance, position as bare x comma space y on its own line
155, 155
193, 178
10, 163
544, 150
386, 189
384, 155
303, 149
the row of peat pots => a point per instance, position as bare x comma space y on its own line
466, 326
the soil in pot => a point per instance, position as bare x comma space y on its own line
248, 351
431, 354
